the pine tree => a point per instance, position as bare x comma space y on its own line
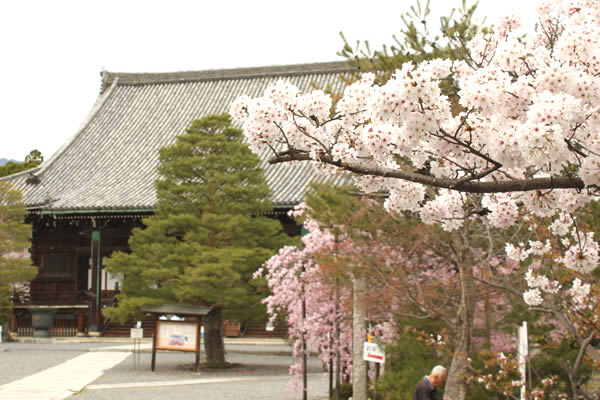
208, 234
14, 240
32, 160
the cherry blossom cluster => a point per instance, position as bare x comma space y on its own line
527, 109
561, 285
538, 284
581, 256
578, 295
568, 253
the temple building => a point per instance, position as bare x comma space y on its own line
85, 199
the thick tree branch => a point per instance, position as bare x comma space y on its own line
513, 185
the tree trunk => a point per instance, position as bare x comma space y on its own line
213, 339
359, 331
456, 387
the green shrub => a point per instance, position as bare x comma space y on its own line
407, 361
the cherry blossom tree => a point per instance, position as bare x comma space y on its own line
313, 286
412, 272
521, 136
312, 304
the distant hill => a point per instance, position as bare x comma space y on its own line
5, 160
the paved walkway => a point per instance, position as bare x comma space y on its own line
63, 380
73, 376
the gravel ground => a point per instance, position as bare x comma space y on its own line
16, 346
18, 362
268, 376
257, 348
262, 373
264, 390
179, 366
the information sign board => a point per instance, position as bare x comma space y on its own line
174, 335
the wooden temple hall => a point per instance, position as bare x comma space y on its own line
86, 198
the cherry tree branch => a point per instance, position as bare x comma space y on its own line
512, 185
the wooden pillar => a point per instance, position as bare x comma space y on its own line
96, 306
153, 364
14, 323
80, 323
198, 333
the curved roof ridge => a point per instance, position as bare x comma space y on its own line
94, 111
134, 78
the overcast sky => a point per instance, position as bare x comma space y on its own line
53, 51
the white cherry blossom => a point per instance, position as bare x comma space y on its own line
579, 292
533, 297
525, 139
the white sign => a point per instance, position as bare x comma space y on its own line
136, 333
270, 327
374, 353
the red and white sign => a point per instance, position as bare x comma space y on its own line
374, 353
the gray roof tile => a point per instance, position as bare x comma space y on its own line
110, 163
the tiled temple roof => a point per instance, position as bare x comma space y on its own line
110, 163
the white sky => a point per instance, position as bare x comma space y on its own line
53, 51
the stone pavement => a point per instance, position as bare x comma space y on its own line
63, 380
263, 376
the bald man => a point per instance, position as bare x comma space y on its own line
426, 389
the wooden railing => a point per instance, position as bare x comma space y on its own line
62, 326
24, 327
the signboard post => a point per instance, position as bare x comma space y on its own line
137, 334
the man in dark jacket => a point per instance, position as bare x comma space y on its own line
426, 389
